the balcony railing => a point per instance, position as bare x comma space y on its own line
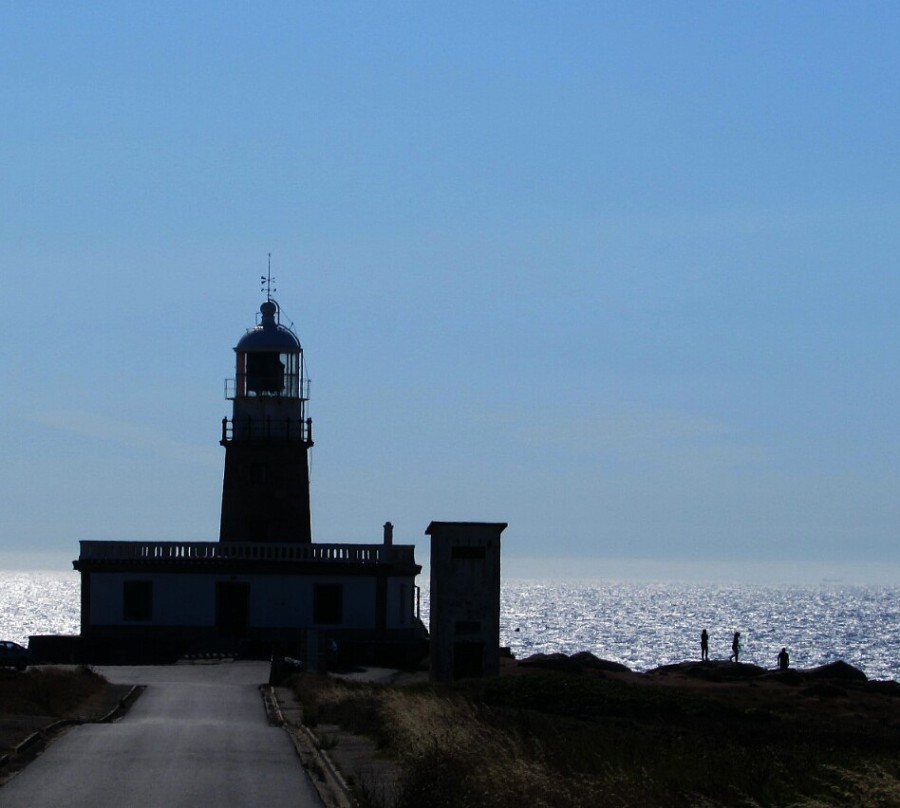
294, 430
245, 551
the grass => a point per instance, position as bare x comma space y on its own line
31, 700
52, 692
559, 739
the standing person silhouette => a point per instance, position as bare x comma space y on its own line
735, 646
784, 660
704, 646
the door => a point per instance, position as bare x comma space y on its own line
468, 660
232, 608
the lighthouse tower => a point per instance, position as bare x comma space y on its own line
265, 491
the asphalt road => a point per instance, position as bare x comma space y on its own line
197, 737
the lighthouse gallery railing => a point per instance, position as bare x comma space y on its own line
245, 551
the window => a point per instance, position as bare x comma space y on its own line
265, 373
467, 553
468, 660
137, 600
328, 604
467, 627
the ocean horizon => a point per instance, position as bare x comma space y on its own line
642, 625
593, 569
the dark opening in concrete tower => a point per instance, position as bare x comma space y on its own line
265, 491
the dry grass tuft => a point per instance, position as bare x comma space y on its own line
558, 741
869, 786
452, 756
48, 691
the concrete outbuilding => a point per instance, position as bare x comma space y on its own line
465, 599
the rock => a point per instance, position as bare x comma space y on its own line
587, 660
838, 671
711, 671
791, 677
737, 671
888, 687
675, 667
824, 690
556, 662
583, 660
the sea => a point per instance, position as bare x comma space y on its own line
641, 625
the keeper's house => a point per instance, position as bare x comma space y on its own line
168, 599
264, 584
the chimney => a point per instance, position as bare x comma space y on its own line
388, 534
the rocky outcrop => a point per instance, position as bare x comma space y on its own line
576, 663
887, 687
838, 671
711, 670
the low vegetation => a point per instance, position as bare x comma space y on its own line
549, 738
50, 692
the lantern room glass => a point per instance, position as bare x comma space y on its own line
269, 373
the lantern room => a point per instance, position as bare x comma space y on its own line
269, 360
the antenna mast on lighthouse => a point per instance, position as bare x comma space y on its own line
266, 281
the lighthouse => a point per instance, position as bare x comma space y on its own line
264, 585
265, 488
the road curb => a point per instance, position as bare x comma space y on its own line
122, 707
333, 789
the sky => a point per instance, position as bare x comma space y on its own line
622, 275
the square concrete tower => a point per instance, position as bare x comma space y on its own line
465, 599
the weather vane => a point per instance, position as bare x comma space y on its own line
266, 281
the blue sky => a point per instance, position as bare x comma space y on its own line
621, 275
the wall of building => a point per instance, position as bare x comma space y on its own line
275, 601
465, 599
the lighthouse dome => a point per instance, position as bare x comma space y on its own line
269, 335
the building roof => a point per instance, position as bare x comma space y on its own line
269, 335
